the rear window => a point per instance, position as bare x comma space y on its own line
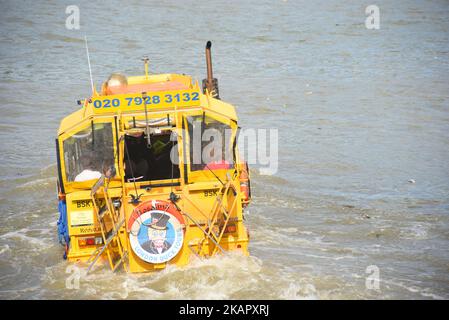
88, 152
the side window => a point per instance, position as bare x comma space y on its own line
210, 144
88, 152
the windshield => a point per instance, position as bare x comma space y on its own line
150, 160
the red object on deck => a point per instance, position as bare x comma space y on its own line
223, 164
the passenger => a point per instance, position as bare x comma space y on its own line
162, 163
109, 171
88, 173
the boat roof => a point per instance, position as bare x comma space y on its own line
161, 92
147, 87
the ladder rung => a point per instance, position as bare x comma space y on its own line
204, 231
225, 212
97, 185
102, 211
93, 255
114, 233
120, 261
97, 253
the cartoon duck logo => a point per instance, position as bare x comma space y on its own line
156, 236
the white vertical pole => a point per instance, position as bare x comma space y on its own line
88, 62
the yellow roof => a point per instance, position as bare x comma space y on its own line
151, 90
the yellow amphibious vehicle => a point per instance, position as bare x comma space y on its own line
149, 174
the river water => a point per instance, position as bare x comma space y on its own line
363, 120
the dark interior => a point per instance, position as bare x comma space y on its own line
144, 163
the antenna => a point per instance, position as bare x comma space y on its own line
90, 69
145, 60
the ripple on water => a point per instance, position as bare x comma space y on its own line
231, 276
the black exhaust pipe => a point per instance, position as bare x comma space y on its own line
210, 83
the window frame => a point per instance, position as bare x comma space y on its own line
206, 175
82, 125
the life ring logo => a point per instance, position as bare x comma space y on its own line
156, 236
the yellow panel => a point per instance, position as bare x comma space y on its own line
155, 100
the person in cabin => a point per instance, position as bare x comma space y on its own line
163, 168
109, 170
137, 157
88, 172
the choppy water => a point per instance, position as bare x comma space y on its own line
360, 112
